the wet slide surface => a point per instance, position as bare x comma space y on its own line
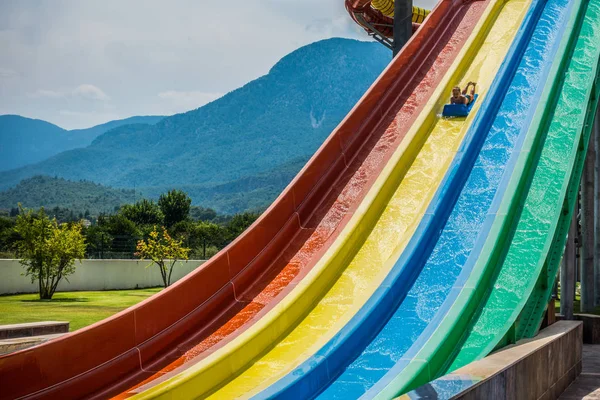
359, 278
461, 241
532, 314
530, 242
315, 372
425, 297
366, 164
318, 203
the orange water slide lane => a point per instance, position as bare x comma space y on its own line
364, 168
242, 282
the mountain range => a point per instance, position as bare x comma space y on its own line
239, 151
79, 196
25, 141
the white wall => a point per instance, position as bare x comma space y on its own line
95, 275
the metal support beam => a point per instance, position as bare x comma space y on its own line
402, 23
375, 33
567, 271
587, 230
595, 139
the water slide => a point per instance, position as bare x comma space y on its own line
546, 191
352, 269
360, 276
487, 272
409, 245
204, 313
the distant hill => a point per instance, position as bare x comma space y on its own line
57, 192
25, 141
251, 193
240, 150
92, 133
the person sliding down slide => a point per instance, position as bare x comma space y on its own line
461, 103
464, 97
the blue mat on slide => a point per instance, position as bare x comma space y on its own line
458, 110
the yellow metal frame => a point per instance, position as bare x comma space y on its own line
387, 8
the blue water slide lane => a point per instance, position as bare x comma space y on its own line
320, 369
463, 238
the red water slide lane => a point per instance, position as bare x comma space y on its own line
348, 193
233, 288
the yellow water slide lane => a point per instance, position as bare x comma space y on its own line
356, 264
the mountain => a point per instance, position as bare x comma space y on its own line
57, 192
245, 137
24, 140
89, 134
252, 193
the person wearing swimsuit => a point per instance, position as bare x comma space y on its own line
465, 97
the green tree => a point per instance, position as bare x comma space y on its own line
164, 251
175, 206
239, 223
198, 213
209, 233
113, 235
98, 241
48, 250
8, 236
143, 212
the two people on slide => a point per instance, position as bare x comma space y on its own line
465, 97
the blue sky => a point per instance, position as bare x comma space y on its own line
80, 63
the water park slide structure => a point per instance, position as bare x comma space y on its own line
547, 197
120, 351
409, 187
238, 388
377, 17
399, 116
367, 202
502, 158
529, 319
476, 170
510, 286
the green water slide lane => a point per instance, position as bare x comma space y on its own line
529, 321
524, 250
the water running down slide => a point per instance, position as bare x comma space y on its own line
243, 280
470, 219
438, 276
253, 355
477, 207
547, 192
530, 318
305, 270
233, 389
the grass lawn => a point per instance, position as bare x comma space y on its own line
79, 308
576, 308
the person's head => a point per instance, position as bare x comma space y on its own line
456, 91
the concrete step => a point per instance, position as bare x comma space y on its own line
33, 329
587, 385
14, 344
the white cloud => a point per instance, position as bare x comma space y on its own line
48, 48
90, 92
181, 101
52, 94
85, 91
